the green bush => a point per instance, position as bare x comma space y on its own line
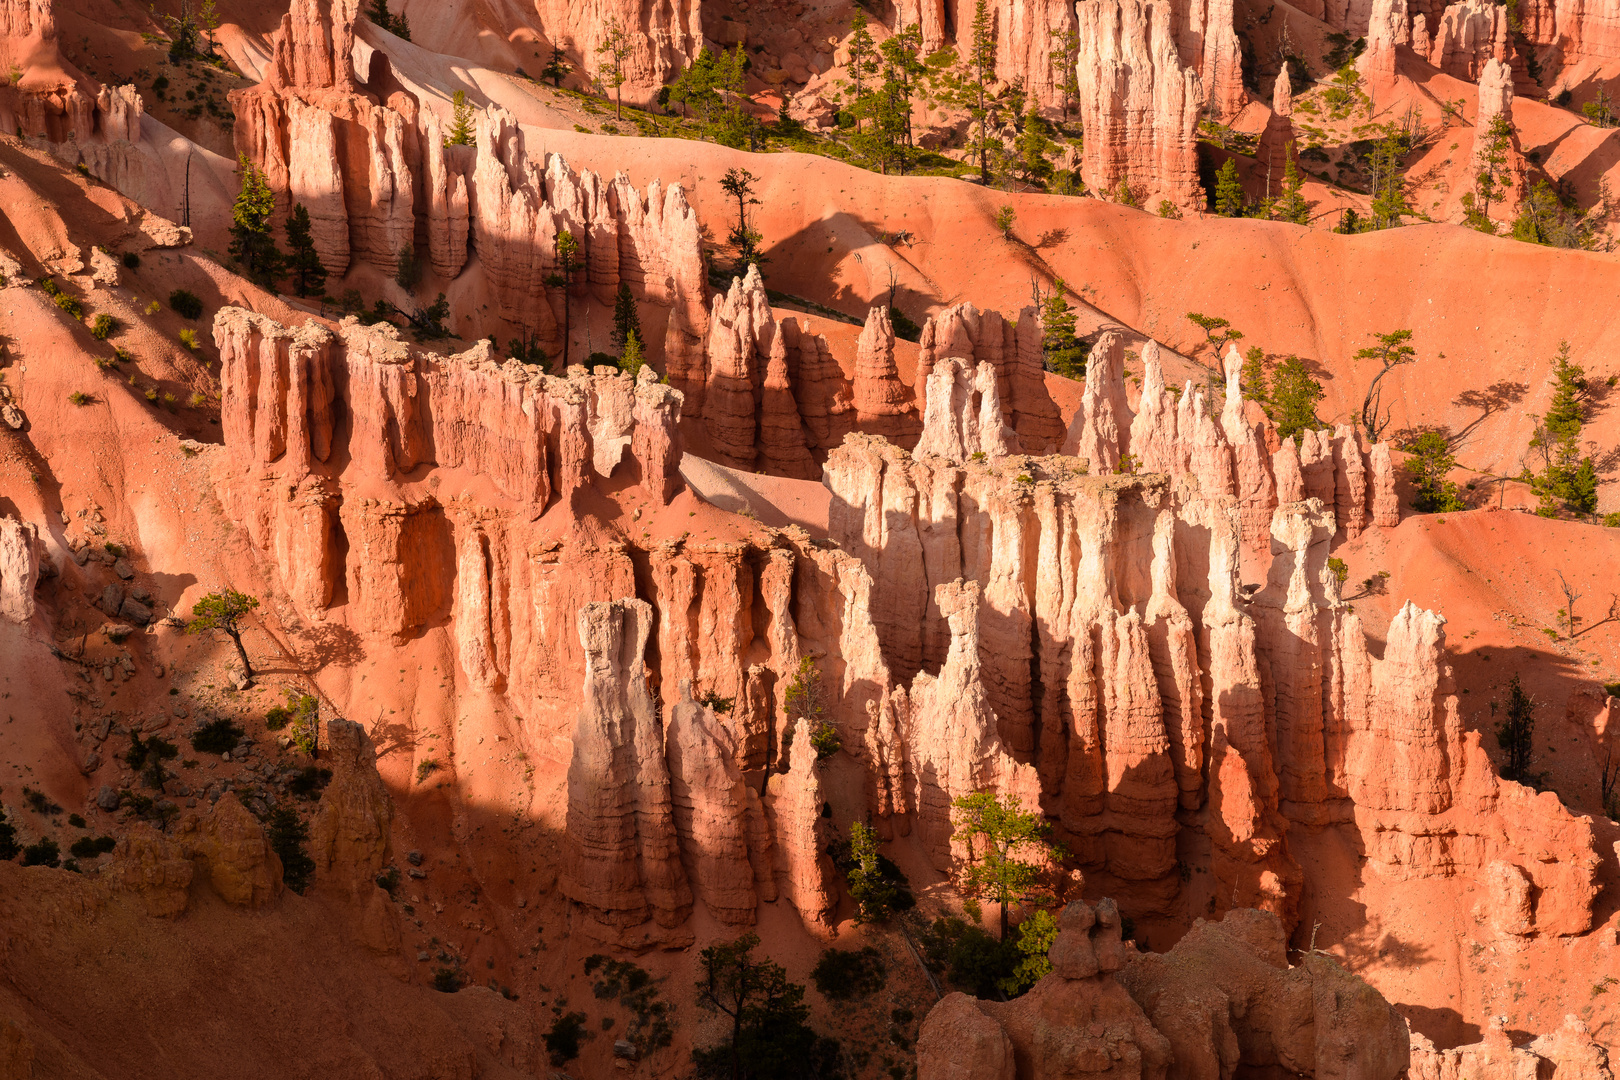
189, 338
132, 261
562, 1041
843, 975
186, 304
217, 737
88, 847
104, 327
44, 853
448, 980
79, 397
68, 304
971, 958
276, 718
287, 833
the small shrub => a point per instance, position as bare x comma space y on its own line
44, 853
169, 402
76, 820
132, 261
287, 832
276, 718
448, 980
188, 338
309, 782
843, 975
1612, 689
197, 399
151, 394
79, 397
217, 737
68, 304
1003, 221
153, 308
103, 327
122, 355
186, 304
1612, 521
40, 803
562, 1041
720, 705
86, 847
106, 363
388, 880
425, 768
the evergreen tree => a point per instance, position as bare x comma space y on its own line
626, 316
225, 612
631, 360
1490, 183
862, 60
739, 184
1389, 203
874, 894
557, 67
1065, 57
1292, 205
1253, 377
1391, 351
1007, 846
970, 87
616, 46
1064, 354
1229, 198
1293, 398
1516, 736
304, 262
1429, 463
769, 1036
1568, 480
394, 24
253, 243
1125, 195
1034, 144
462, 131
568, 252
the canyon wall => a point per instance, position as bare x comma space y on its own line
378, 175
1224, 999
1056, 628
1139, 104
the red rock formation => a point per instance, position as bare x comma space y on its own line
666, 36
620, 859
1226, 997
963, 413
1100, 430
784, 450
1255, 488
741, 333
794, 804
1277, 140
1387, 28
883, 404
1140, 102
1386, 507
1014, 353
348, 833
952, 745
19, 569
1570, 1051
1471, 34
1207, 43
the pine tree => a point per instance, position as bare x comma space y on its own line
1516, 736
969, 88
1389, 204
1293, 398
1229, 198
557, 67
1034, 143
1008, 847
631, 360
568, 252
626, 316
1065, 57
462, 132
253, 244
1429, 462
304, 265
616, 46
1568, 480
739, 184
1392, 350
1490, 183
1292, 206
1064, 354
862, 60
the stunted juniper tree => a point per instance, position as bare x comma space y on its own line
739, 185
1391, 350
224, 611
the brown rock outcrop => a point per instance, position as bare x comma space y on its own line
883, 404
620, 857
1227, 999
794, 804
232, 843
741, 332
348, 833
1100, 430
1471, 34
665, 36
1386, 507
1569, 1052
1141, 102
19, 568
